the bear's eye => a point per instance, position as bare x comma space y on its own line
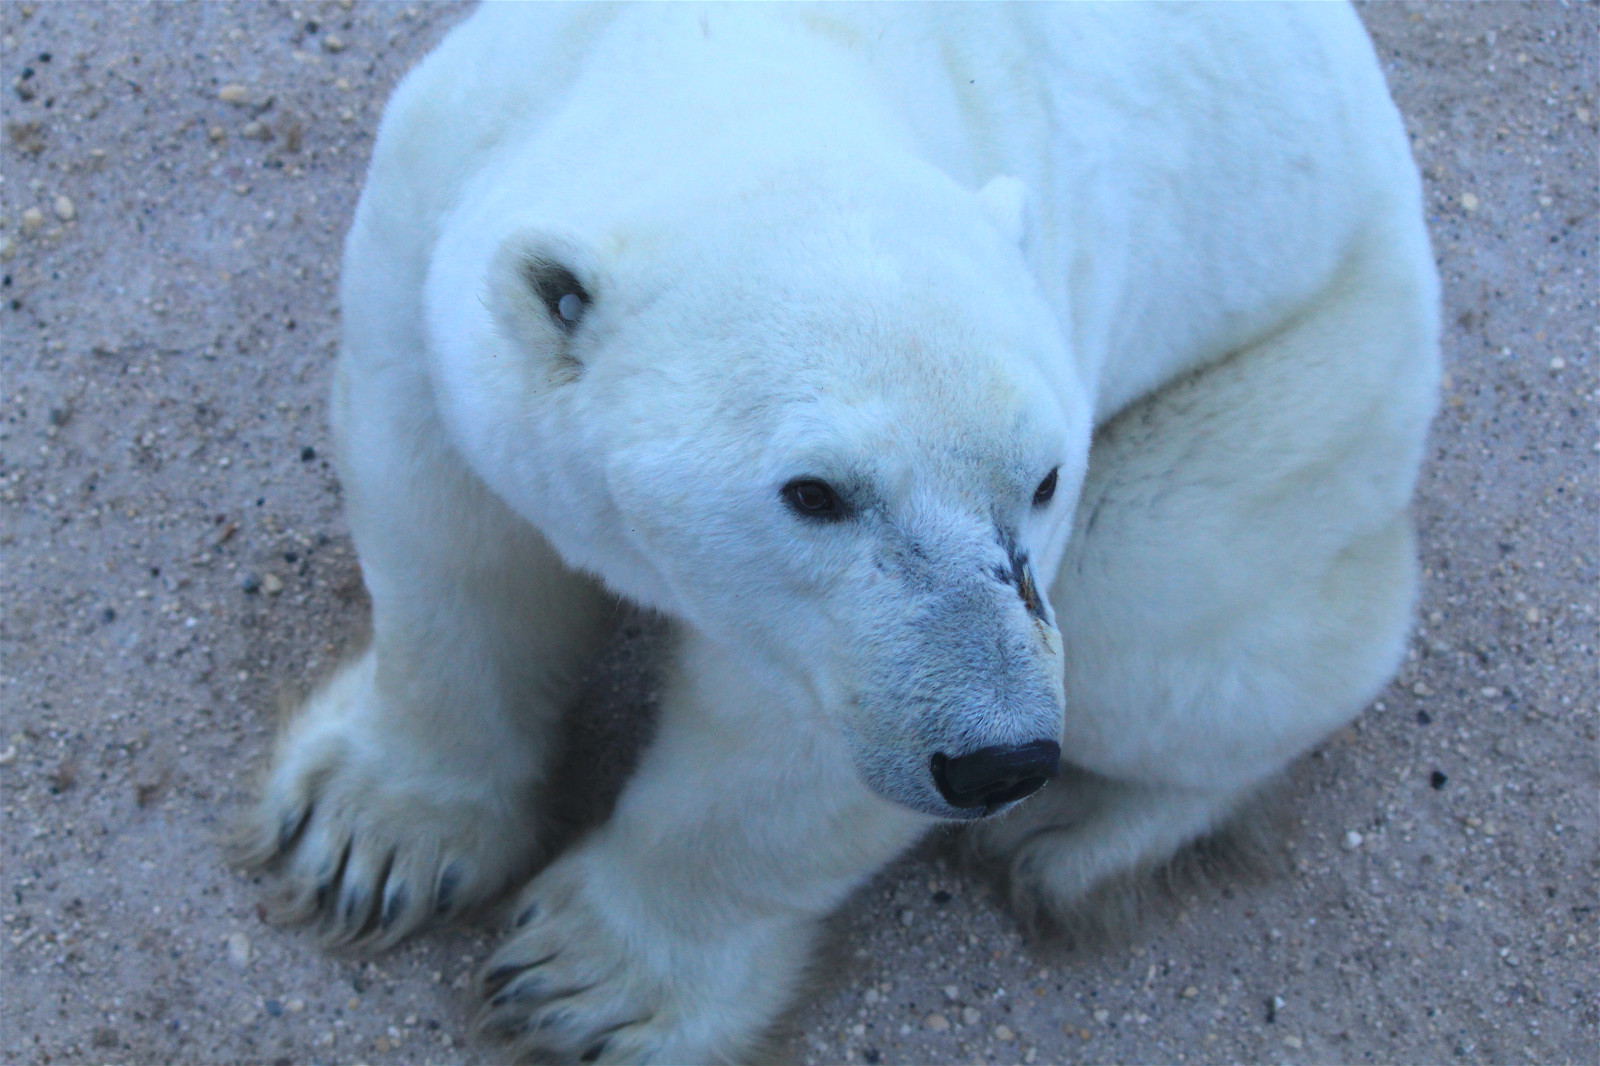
810, 498
1046, 489
569, 307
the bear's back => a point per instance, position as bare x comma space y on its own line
982, 87
1197, 172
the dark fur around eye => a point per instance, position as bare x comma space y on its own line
1046, 489
551, 282
809, 497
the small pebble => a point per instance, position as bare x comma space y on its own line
1421, 689
1558, 363
1532, 614
272, 584
217, 134
1102, 1016
1190, 992
937, 1022
66, 210
233, 94
1353, 840
970, 1015
8, 756
238, 949
952, 993
871, 996
1293, 1042
32, 220
332, 44
1469, 202
255, 131
1438, 779
906, 917
1004, 1033
1030, 1056
295, 1006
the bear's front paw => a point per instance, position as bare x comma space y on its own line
374, 833
589, 975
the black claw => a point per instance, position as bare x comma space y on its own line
500, 1026
348, 905
553, 1020
594, 1053
501, 974
289, 829
330, 876
525, 990
446, 892
393, 906
527, 915
497, 977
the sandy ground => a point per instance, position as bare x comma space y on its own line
176, 180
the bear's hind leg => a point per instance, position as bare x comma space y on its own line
1065, 854
1240, 580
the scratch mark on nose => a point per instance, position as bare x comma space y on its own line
1025, 586
1020, 577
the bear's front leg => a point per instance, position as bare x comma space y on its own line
405, 789
681, 929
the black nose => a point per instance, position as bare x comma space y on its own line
992, 776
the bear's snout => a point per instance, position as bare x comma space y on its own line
991, 777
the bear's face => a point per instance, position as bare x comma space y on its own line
833, 444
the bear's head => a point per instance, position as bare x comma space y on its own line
823, 416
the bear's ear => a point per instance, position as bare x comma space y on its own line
1005, 200
540, 291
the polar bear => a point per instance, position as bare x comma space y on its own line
986, 395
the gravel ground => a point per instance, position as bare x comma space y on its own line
176, 180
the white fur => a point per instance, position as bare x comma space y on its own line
927, 254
